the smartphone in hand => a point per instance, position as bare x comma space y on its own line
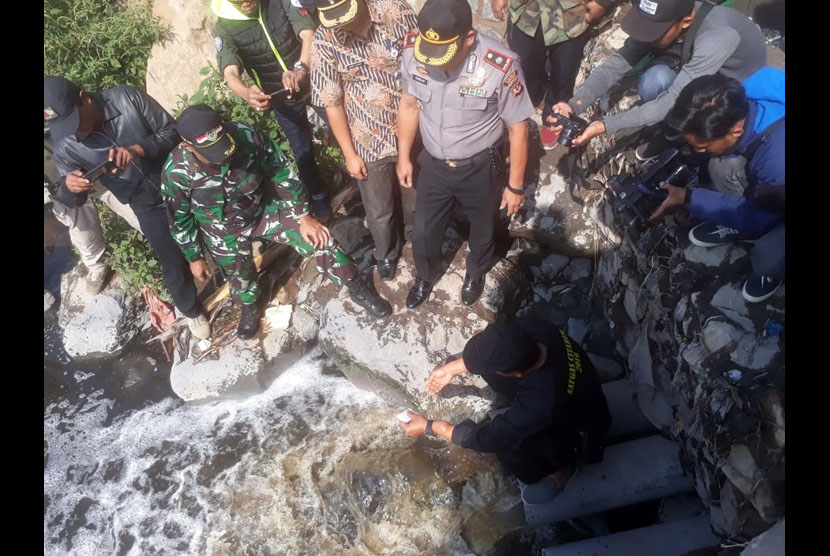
99, 171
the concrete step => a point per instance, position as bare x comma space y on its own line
626, 418
665, 539
630, 472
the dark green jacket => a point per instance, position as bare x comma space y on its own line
241, 40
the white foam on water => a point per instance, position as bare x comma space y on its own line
312, 465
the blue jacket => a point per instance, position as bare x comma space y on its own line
762, 206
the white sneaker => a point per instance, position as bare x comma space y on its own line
199, 326
97, 279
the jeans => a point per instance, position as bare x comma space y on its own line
655, 80
293, 119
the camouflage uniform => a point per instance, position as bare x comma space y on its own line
550, 35
254, 194
560, 20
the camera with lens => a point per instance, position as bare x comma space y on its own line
637, 197
571, 128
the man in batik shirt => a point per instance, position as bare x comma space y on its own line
355, 75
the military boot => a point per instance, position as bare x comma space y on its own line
363, 293
249, 322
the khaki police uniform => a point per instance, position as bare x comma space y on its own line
461, 119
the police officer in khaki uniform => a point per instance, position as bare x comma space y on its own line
460, 88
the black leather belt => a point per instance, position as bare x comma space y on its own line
480, 157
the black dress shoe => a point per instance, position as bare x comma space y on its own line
386, 268
249, 323
471, 290
363, 293
418, 294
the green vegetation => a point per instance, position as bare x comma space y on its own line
98, 44
130, 254
215, 93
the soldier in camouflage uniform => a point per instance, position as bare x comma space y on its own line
550, 35
227, 184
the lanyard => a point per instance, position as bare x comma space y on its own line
270, 42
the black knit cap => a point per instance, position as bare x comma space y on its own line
201, 127
648, 20
502, 346
441, 25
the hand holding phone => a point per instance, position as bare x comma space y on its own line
99, 171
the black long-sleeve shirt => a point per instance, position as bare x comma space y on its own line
564, 392
131, 117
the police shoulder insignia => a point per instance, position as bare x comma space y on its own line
516, 89
498, 60
510, 78
303, 12
409, 40
218, 42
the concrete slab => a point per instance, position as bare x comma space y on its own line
626, 418
667, 539
631, 472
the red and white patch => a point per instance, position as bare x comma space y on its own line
210, 136
49, 114
422, 70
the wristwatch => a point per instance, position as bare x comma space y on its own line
428, 429
298, 65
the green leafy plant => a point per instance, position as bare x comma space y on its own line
98, 44
214, 92
130, 254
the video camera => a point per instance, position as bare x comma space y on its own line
637, 197
571, 128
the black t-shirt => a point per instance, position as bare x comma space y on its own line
564, 393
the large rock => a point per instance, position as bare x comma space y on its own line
395, 355
97, 325
174, 64
242, 368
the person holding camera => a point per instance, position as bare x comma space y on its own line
355, 76
688, 39
460, 88
742, 127
550, 36
131, 133
271, 41
557, 408
225, 185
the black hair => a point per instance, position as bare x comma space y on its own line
708, 107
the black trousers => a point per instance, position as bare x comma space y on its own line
478, 188
541, 454
390, 208
175, 268
550, 71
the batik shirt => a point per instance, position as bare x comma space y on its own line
560, 19
228, 200
364, 75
